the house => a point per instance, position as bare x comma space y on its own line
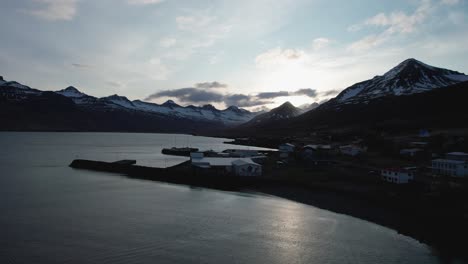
412, 152
246, 168
398, 175
225, 166
351, 150
316, 153
457, 156
449, 167
311, 151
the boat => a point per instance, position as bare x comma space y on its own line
178, 151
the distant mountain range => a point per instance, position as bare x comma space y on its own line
411, 95
25, 105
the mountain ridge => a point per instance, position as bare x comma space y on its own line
207, 113
372, 103
408, 77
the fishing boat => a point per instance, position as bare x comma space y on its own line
179, 151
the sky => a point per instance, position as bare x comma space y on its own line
254, 54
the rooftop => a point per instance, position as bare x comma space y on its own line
449, 161
458, 153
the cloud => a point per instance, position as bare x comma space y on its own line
211, 85
144, 2
398, 21
115, 84
189, 95
79, 65
270, 95
197, 96
307, 92
55, 10
242, 100
194, 22
395, 23
320, 43
368, 42
278, 56
167, 42
330, 92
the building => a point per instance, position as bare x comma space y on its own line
351, 150
449, 167
398, 175
412, 152
315, 151
246, 168
457, 156
225, 166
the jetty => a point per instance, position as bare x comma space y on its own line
182, 173
185, 152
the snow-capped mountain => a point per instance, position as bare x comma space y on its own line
409, 77
15, 91
282, 112
71, 92
207, 113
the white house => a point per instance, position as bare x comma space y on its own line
351, 150
411, 152
398, 176
449, 167
219, 165
246, 168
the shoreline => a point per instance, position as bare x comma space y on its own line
428, 228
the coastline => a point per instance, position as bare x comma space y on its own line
429, 224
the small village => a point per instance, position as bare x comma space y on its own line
410, 161
421, 178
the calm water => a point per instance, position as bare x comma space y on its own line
51, 213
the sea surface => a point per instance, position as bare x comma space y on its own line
50, 213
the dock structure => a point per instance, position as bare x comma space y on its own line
178, 174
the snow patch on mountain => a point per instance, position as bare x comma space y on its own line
71, 92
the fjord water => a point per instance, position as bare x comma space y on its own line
51, 213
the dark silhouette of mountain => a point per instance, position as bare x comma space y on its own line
409, 77
283, 112
412, 95
24, 108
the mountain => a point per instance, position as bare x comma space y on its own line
281, 113
307, 107
409, 77
87, 112
411, 95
